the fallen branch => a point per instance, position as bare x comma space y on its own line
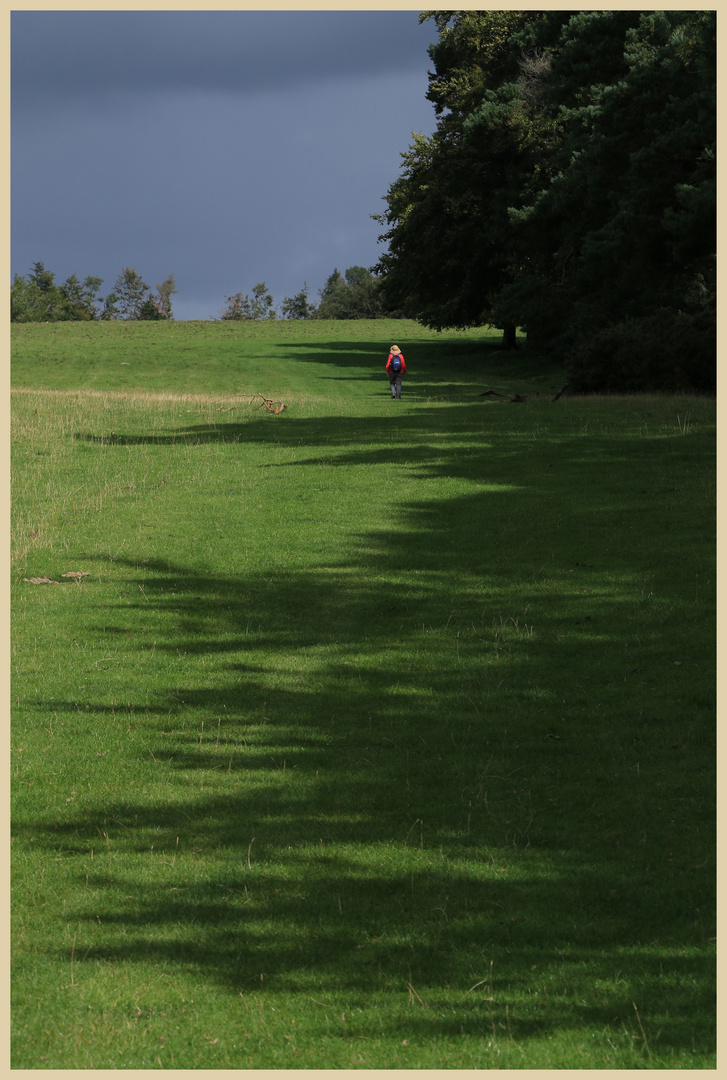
506, 397
520, 397
269, 404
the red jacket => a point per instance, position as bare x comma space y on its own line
403, 365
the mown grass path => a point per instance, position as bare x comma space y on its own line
376, 734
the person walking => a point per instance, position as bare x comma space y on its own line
395, 369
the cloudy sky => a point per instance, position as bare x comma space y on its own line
225, 147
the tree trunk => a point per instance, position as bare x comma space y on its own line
508, 337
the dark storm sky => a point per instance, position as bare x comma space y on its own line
225, 147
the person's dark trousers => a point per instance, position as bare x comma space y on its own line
395, 382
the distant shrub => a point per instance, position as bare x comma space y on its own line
666, 351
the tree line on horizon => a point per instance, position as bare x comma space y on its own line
569, 190
356, 294
37, 298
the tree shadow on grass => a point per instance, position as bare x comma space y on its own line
469, 421
439, 368
386, 778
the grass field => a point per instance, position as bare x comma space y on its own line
374, 734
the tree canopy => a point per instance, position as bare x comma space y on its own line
568, 189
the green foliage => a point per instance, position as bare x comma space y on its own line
450, 237
474, 53
30, 303
78, 303
39, 299
570, 184
149, 311
666, 351
110, 310
131, 292
298, 306
158, 307
241, 308
353, 296
163, 299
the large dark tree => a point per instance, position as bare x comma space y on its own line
569, 188
622, 239
450, 237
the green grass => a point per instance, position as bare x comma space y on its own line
306, 359
380, 734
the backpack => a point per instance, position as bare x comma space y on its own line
395, 365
